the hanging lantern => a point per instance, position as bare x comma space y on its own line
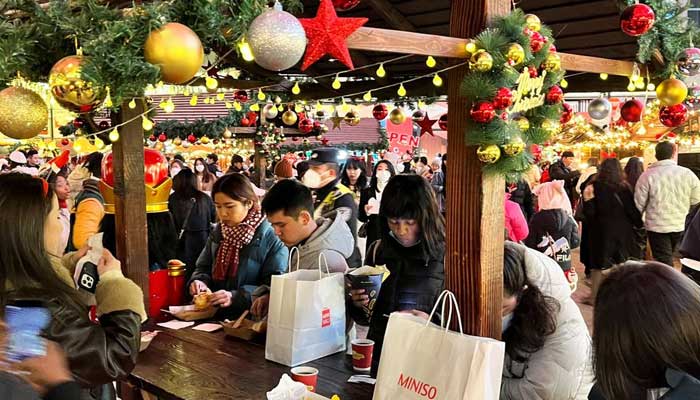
380, 111
637, 19
442, 122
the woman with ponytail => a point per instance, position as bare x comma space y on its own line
548, 347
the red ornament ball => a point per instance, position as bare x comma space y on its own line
631, 111
78, 123
533, 72
537, 41
503, 98
241, 96
245, 121
483, 112
103, 125
555, 95
152, 138
65, 142
345, 5
191, 138
306, 126
504, 116
162, 137
567, 114
442, 122
637, 19
552, 48
673, 116
317, 125
380, 111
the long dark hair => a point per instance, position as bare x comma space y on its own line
354, 163
646, 320
185, 183
411, 197
24, 262
633, 170
373, 181
207, 176
535, 316
610, 173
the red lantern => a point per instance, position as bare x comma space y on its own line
555, 95
567, 114
673, 116
306, 126
380, 112
631, 111
155, 168
442, 122
537, 41
637, 19
503, 99
345, 5
241, 96
483, 112
191, 138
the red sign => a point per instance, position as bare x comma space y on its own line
325, 317
420, 388
401, 139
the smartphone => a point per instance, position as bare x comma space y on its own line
25, 320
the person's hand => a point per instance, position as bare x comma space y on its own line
417, 313
48, 371
359, 297
368, 208
260, 306
197, 287
221, 298
108, 263
82, 252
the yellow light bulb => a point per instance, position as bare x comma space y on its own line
470, 47
237, 106
228, 105
186, 93
193, 100
246, 51
381, 72
564, 83
421, 104
114, 135
367, 96
318, 106
402, 91
220, 96
108, 100
604, 76
336, 83
162, 104
280, 108
132, 104
261, 95
146, 123
255, 107
169, 106
631, 87
211, 83
430, 62
639, 84
437, 81
651, 87
296, 89
99, 143
298, 108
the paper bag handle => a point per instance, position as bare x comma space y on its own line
289, 260
322, 256
449, 297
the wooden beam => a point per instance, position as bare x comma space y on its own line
391, 41
130, 199
391, 15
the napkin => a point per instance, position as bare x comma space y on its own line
287, 389
174, 324
208, 327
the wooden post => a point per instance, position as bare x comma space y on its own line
130, 198
474, 256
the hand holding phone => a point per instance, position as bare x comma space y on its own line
25, 321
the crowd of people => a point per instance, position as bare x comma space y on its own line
235, 231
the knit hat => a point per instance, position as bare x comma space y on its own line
284, 169
552, 196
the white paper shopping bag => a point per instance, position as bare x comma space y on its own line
306, 317
421, 360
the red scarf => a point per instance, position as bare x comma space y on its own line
233, 240
62, 203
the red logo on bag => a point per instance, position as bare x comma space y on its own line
420, 388
325, 317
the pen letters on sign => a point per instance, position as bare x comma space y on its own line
529, 93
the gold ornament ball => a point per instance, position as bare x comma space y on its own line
204, 140
159, 146
177, 141
552, 63
523, 123
514, 147
289, 117
671, 92
488, 154
177, 50
533, 22
397, 117
23, 113
481, 61
352, 118
70, 89
551, 126
515, 54
227, 134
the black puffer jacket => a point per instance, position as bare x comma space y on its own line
554, 233
415, 282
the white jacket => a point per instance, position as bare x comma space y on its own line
562, 369
664, 193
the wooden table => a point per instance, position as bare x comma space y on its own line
191, 365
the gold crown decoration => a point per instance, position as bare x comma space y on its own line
156, 197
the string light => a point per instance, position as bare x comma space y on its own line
639, 83
237, 106
298, 108
437, 81
604, 76
193, 100
296, 89
186, 92
261, 95
169, 106
108, 100
211, 83
402, 91
246, 50
651, 87
631, 86
114, 135
255, 107
220, 96
99, 143
367, 96
228, 105
564, 83
430, 62
470, 47
146, 123
132, 104
280, 108
381, 72
336, 83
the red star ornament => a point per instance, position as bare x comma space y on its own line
327, 33
426, 125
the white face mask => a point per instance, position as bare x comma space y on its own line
383, 176
505, 322
311, 179
174, 171
200, 168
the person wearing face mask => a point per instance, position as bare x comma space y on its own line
175, 167
548, 347
353, 177
205, 179
332, 197
241, 254
412, 247
370, 199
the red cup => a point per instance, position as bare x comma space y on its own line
362, 354
306, 375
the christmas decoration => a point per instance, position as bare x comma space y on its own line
514, 147
631, 111
418, 115
327, 33
426, 125
289, 118
23, 114
78, 123
152, 138
503, 98
672, 91
352, 118
241, 96
103, 125
689, 62
306, 125
162, 137
673, 116
552, 63
270, 111
515, 54
551, 126
523, 123
481, 61
599, 108
65, 142
177, 141
537, 41
442, 122
555, 95
483, 112
336, 119
277, 39
637, 19
488, 154
191, 138
204, 140
397, 116
345, 5
227, 134
70, 88
533, 72
177, 50
567, 114
533, 22
380, 111
245, 122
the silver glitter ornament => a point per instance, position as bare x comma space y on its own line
277, 39
689, 62
599, 108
